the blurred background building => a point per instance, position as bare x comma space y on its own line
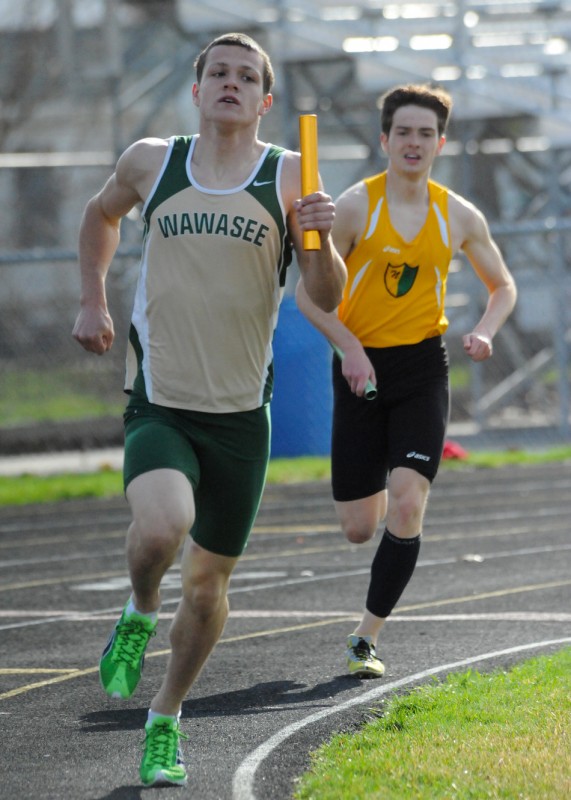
82, 79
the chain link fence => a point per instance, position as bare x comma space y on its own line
75, 94
55, 396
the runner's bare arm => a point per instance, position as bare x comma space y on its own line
488, 264
99, 238
323, 271
350, 219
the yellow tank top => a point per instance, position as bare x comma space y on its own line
396, 289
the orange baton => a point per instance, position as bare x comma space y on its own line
309, 170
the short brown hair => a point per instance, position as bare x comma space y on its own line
437, 100
238, 40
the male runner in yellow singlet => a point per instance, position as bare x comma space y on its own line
222, 211
398, 232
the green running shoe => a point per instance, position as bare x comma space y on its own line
122, 660
362, 659
162, 762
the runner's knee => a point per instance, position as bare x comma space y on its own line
160, 532
360, 518
407, 503
408, 512
206, 593
205, 579
359, 531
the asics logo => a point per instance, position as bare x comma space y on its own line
389, 249
261, 183
419, 456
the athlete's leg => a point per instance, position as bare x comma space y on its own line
159, 465
358, 461
397, 553
233, 452
415, 436
197, 625
162, 505
395, 560
163, 508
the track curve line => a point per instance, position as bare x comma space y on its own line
243, 782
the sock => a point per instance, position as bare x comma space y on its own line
391, 570
131, 609
154, 714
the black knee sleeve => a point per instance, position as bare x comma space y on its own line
391, 570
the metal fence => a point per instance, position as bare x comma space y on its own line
74, 96
53, 395
520, 397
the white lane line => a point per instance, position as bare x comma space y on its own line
238, 575
21, 562
281, 583
499, 616
526, 551
243, 782
491, 616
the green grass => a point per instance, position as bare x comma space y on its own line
30, 489
493, 459
26, 489
54, 395
503, 735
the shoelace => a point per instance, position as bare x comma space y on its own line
162, 744
130, 641
363, 650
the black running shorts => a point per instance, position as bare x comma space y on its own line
404, 426
224, 456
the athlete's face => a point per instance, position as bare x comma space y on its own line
231, 88
413, 141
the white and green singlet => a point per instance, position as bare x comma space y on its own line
211, 279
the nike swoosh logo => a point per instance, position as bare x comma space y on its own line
261, 183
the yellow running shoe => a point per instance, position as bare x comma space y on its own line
362, 660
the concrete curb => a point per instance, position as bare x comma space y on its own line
76, 461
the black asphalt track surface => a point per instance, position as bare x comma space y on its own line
492, 587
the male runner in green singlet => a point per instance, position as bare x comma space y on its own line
398, 232
222, 211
